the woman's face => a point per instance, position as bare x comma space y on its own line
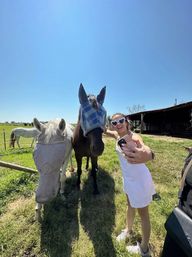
119, 123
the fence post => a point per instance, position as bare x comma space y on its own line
4, 139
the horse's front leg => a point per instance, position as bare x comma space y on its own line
94, 174
17, 139
71, 164
63, 172
79, 171
38, 208
63, 178
32, 142
13, 143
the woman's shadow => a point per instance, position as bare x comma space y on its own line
60, 224
97, 214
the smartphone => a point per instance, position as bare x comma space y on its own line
121, 142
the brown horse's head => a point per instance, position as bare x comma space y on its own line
92, 118
96, 143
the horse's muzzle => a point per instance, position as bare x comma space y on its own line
48, 187
97, 149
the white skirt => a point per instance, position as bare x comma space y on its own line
137, 183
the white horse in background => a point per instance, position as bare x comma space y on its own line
16, 133
52, 152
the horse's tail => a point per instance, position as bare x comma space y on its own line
12, 139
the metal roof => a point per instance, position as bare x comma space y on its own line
172, 108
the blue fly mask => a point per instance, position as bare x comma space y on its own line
91, 118
92, 113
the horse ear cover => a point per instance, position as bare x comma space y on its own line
82, 94
101, 95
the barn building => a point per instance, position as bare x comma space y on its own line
172, 121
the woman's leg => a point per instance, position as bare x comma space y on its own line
145, 226
130, 216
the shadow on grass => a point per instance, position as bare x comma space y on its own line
60, 223
97, 214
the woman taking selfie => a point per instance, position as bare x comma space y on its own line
137, 181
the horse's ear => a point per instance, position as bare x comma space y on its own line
82, 95
101, 96
37, 124
62, 125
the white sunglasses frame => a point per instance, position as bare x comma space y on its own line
117, 120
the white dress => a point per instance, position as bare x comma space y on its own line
137, 182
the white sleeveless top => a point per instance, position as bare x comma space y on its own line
137, 182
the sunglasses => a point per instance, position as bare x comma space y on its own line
120, 121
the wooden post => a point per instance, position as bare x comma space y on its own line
17, 167
4, 139
142, 123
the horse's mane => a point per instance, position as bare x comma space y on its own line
93, 100
78, 133
52, 128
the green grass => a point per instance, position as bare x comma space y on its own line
84, 225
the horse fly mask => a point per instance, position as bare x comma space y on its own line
91, 118
48, 159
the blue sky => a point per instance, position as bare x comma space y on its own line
141, 51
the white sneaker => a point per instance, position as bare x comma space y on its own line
137, 249
123, 235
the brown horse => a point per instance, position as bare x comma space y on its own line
87, 139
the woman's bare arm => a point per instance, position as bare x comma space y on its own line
111, 133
